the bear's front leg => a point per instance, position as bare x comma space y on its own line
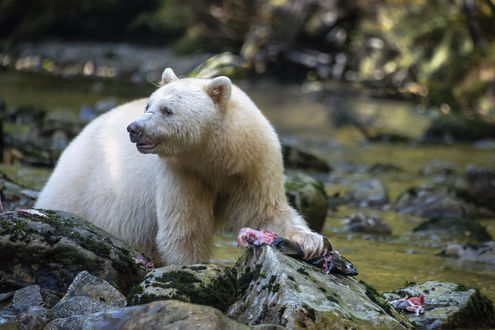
185, 221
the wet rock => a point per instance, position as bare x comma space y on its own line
429, 202
49, 248
39, 135
483, 252
15, 196
449, 228
360, 222
224, 64
34, 318
85, 284
448, 306
480, 183
274, 288
308, 197
298, 159
370, 193
27, 297
450, 128
79, 305
156, 315
205, 284
8, 320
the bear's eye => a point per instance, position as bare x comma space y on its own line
147, 107
167, 111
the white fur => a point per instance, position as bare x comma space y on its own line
215, 164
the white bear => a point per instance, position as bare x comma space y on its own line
206, 157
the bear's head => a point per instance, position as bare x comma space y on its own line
180, 115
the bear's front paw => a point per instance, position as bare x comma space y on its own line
310, 242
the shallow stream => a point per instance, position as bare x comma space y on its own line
384, 262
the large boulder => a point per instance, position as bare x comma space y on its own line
277, 289
169, 314
49, 248
369, 193
308, 197
448, 306
206, 284
480, 183
430, 202
299, 159
14, 196
448, 229
450, 128
482, 252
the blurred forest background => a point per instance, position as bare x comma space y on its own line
441, 52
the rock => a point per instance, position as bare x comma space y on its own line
27, 297
448, 306
480, 183
15, 196
308, 197
370, 193
49, 248
79, 305
34, 318
98, 290
224, 64
205, 284
8, 320
367, 224
450, 128
277, 289
483, 252
430, 202
448, 228
169, 314
298, 159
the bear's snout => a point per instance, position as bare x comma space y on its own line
135, 131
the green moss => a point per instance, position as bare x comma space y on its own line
133, 293
16, 229
99, 248
376, 298
272, 286
247, 277
479, 312
302, 271
220, 293
461, 287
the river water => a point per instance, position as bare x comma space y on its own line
303, 120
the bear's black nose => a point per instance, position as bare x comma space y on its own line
134, 131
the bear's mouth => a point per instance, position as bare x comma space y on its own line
145, 147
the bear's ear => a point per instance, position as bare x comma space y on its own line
168, 75
219, 89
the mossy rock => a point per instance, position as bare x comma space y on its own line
433, 202
49, 248
466, 228
277, 289
308, 197
448, 306
205, 284
449, 128
299, 159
